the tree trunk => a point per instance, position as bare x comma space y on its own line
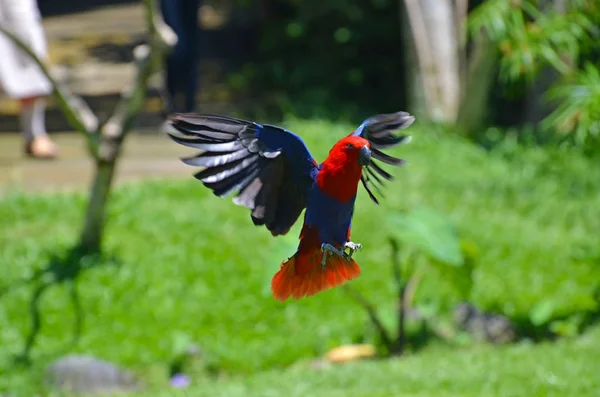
104, 144
91, 236
437, 49
417, 103
480, 78
441, 26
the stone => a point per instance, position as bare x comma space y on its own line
82, 374
490, 327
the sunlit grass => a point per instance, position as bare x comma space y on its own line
188, 262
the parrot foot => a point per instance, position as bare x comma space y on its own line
352, 248
329, 249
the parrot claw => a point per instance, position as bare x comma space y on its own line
329, 249
352, 247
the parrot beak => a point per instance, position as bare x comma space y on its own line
364, 156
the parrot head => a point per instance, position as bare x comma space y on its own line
342, 170
353, 152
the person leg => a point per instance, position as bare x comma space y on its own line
190, 22
175, 59
21, 78
33, 126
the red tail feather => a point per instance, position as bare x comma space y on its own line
302, 275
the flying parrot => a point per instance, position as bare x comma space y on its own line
276, 177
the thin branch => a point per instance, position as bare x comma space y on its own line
147, 58
370, 308
405, 291
400, 285
132, 99
77, 112
396, 263
411, 287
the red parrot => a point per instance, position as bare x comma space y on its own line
276, 177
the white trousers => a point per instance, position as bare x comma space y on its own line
20, 77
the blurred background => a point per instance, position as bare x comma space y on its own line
119, 272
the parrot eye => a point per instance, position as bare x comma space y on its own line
350, 146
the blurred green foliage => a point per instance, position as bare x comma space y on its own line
432, 246
430, 232
190, 263
423, 242
335, 59
533, 35
530, 38
579, 111
347, 59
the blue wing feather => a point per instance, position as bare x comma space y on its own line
271, 168
292, 145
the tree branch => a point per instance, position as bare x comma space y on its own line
400, 287
75, 109
147, 58
411, 286
368, 306
406, 291
396, 263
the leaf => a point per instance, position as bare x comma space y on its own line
542, 312
491, 16
431, 232
565, 328
554, 59
579, 110
461, 278
568, 327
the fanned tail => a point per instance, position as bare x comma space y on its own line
302, 275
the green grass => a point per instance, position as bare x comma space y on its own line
186, 262
567, 368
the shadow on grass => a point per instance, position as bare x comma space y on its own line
60, 269
575, 323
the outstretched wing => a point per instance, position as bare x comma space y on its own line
271, 168
378, 130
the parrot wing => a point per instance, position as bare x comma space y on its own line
271, 168
378, 130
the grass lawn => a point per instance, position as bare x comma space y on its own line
183, 262
567, 368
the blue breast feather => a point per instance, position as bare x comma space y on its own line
331, 217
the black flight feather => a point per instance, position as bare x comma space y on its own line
379, 131
236, 160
